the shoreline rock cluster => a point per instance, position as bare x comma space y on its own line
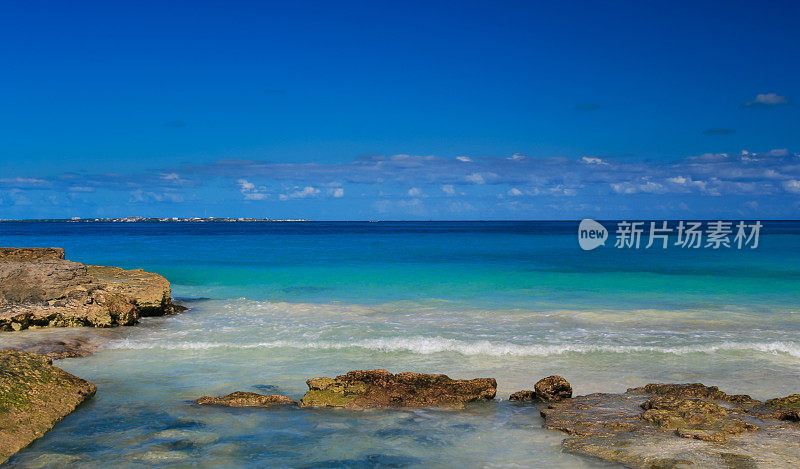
653, 426
657, 425
40, 288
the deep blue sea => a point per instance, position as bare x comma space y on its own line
273, 304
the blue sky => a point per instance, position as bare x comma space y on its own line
400, 110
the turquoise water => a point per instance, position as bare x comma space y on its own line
273, 304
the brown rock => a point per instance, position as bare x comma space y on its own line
553, 389
674, 425
379, 388
30, 254
39, 281
34, 396
781, 408
150, 292
525, 395
39, 288
693, 390
246, 399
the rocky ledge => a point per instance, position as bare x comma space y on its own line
246, 399
39, 288
679, 425
379, 388
34, 396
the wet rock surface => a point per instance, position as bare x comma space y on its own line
58, 348
677, 425
379, 388
551, 389
39, 288
246, 399
34, 396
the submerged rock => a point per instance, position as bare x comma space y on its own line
246, 399
379, 388
34, 396
551, 389
38, 288
675, 425
58, 348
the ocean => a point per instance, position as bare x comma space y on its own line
273, 304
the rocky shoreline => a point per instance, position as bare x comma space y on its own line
40, 288
653, 426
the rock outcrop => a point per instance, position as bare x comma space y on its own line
246, 399
551, 389
34, 396
39, 288
677, 425
379, 388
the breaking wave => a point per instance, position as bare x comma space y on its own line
430, 345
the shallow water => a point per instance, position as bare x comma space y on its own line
272, 305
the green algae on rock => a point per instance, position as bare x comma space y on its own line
246, 399
34, 396
379, 388
675, 425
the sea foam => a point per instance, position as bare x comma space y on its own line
431, 345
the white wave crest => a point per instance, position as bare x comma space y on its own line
430, 345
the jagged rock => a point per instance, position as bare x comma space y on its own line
524, 395
246, 399
550, 389
38, 288
674, 425
30, 254
693, 418
34, 396
781, 408
693, 390
553, 389
379, 388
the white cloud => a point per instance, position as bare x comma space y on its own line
81, 189
465, 159
250, 191
514, 192
767, 99
449, 189
688, 182
593, 160
414, 192
517, 157
338, 192
792, 185
477, 178
303, 193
